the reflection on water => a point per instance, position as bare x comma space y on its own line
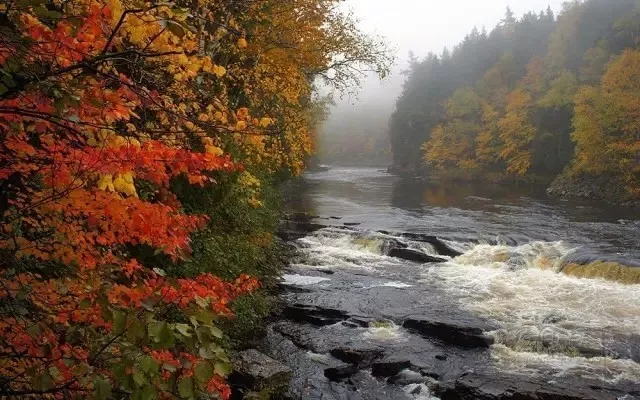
469, 211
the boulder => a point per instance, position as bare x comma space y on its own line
406, 377
498, 387
360, 357
450, 333
414, 255
255, 371
387, 368
314, 315
340, 373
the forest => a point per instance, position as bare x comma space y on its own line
537, 97
141, 145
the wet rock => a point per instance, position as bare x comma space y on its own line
414, 255
450, 333
256, 371
361, 357
406, 377
314, 315
293, 230
361, 321
485, 387
338, 374
326, 271
387, 368
438, 244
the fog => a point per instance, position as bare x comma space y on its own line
418, 26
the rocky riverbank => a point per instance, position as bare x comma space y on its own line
350, 331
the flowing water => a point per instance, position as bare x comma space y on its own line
544, 326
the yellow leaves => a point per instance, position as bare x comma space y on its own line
241, 125
105, 183
265, 122
242, 43
219, 71
123, 183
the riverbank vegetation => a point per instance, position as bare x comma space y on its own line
140, 148
535, 97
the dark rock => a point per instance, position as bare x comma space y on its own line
338, 374
351, 223
314, 315
441, 247
406, 377
332, 217
438, 244
441, 357
361, 321
387, 368
326, 271
293, 230
360, 357
491, 387
414, 255
450, 333
256, 371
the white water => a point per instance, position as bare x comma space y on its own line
549, 321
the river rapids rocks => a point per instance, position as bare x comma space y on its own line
361, 322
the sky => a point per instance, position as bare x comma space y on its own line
422, 26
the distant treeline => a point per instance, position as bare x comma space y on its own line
536, 96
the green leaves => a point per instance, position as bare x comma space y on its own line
102, 389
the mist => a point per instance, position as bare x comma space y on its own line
356, 131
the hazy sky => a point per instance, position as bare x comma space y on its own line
422, 26
430, 25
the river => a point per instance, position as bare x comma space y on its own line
493, 316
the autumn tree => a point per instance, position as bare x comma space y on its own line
117, 119
606, 124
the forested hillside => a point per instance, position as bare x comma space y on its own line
534, 97
140, 144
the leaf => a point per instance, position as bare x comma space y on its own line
185, 388
148, 364
43, 382
222, 369
183, 329
203, 372
216, 332
102, 389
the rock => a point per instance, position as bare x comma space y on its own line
491, 387
256, 371
326, 271
314, 315
360, 357
450, 333
387, 368
293, 230
340, 373
438, 244
351, 223
414, 255
406, 377
441, 357
441, 247
361, 321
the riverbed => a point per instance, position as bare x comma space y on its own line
486, 313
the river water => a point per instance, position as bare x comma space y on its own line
545, 329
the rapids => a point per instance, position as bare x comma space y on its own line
500, 318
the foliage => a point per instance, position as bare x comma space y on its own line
505, 101
132, 136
